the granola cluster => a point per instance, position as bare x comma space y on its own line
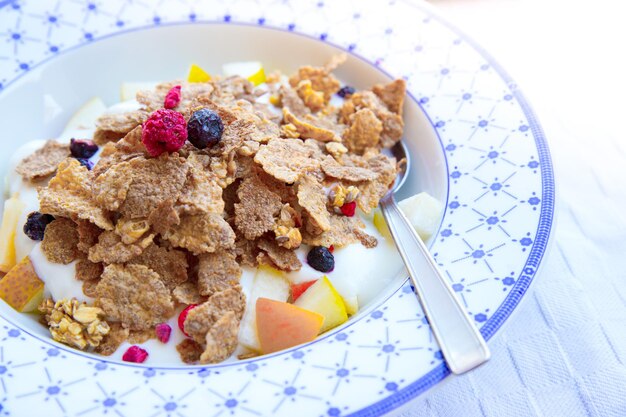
74, 323
152, 234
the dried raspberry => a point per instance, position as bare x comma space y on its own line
348, 209
172, 98
183, 316
135, 354
163, 332
164, 131
331, 248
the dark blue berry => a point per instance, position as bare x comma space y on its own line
83, 148
204, 128
85, 162
321, 259
346, 91
36, 224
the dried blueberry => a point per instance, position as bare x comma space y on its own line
83, 148
36, 224
85, 162
204, 128
346, 91
321, 259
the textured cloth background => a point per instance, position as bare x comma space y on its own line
563, 353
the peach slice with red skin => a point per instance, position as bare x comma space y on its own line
282, 325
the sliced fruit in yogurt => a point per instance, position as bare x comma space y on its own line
324, 299
268, 283
198, 75
281, 325
424, 212
13, 208
21, 287
85, 117
298, 289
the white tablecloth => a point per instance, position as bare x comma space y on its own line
563, 353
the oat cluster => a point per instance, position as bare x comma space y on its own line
74, 323
152, 234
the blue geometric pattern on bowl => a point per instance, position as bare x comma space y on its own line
494, 233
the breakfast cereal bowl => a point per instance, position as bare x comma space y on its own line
474, 146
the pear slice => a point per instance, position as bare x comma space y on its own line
424, 213
85, 117
323, 298
21, 287
13, 208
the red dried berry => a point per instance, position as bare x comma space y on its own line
348, 209
172, 98
163, 332
164, 131
331, 248
135, 354
183, 316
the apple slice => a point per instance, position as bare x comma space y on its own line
282, 325
198, 75
424, 213
21, 288
381, 224
129, 90
352, 304
298, 289
12, 210
268, 283
324, 299
252, 70
85, 117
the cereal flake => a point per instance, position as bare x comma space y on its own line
68, 194
43, 162
60, 241
217, 272
134, 295
257, 209
201, 233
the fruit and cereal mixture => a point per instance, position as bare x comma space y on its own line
199, 182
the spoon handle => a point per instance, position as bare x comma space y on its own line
461, 343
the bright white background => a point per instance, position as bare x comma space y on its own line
569, 336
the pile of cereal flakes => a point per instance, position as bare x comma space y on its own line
154, 234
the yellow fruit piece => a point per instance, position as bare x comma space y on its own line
12, 210
352, 305
323, 298
381, 224
21, 288
198, 75
258, 77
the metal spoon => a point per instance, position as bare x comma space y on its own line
461, 343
